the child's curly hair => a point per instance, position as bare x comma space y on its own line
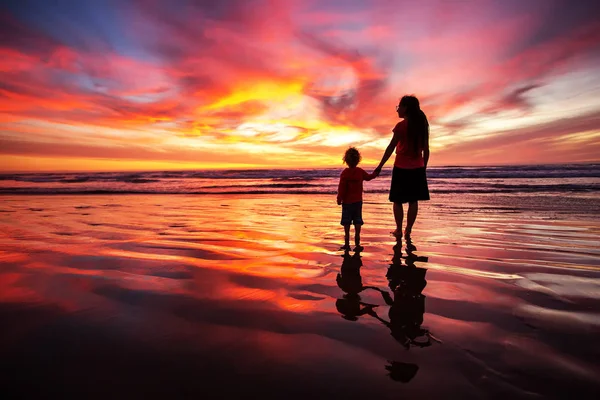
352, 157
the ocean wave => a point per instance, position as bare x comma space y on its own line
266, 185
454, 173
297, 178
140, 180
44, 191
283, 189
483, 180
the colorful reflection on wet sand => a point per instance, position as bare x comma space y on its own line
249, 295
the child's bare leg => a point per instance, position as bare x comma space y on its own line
357, 238
399, 217
411, 217
346, 237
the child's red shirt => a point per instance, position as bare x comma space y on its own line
350, 189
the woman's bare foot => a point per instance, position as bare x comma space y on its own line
345, 247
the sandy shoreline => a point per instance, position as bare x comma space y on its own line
182, 294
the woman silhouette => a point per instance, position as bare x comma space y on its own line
409, 180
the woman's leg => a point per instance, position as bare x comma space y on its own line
411, 217
398, 216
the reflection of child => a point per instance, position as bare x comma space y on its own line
350, 192
349, 280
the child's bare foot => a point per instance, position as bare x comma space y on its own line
358, 248
345, 247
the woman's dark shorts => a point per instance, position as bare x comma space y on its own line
409, 185
352, 214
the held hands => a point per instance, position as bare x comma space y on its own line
377, 171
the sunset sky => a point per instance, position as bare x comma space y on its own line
150, 85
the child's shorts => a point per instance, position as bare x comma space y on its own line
352, 214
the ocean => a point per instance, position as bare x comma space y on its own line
577, 180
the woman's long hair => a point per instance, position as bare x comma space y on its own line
417, 125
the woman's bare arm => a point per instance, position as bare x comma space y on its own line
388, 153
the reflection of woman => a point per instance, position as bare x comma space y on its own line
409, 181
408, 304
406, 309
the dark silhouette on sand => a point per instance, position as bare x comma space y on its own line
406, 300
407, 307
349, 280
408, 303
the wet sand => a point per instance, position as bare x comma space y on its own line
229, 296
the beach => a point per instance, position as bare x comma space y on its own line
237, 295
170, 174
